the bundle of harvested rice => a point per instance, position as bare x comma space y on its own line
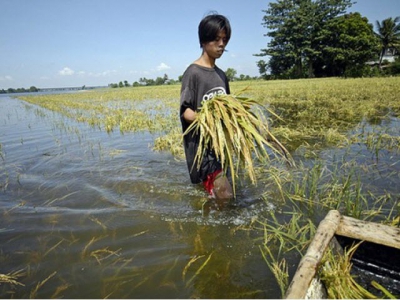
235, 127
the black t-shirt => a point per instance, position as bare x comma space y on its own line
200, 83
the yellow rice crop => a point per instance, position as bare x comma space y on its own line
235, 127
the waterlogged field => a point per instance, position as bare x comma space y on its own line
96, 202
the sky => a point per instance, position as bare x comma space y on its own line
71, 43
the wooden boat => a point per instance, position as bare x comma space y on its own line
378, 257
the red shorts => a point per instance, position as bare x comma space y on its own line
209, 182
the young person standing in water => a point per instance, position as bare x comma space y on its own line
201, 81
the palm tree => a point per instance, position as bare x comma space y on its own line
389, 35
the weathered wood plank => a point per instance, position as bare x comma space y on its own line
308, 265
368, 231
335, 224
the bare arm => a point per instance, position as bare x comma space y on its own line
189, 115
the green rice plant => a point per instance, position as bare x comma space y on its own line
393, 215
377, 141
281, 238
340, 186
235, 127
292, 235
383, 290
335, 274
279, 269
274, 179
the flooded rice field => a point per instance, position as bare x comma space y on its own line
91, 214
86, 214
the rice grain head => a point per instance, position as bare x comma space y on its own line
235, 127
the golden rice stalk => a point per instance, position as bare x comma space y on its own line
12, 278
235, 127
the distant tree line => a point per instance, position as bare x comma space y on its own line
230, 73
144, 82
316, 38
19, 90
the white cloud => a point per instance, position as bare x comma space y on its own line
6, 78
66, 72
163, 67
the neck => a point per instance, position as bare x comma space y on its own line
205, 61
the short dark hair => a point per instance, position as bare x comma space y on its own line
211, 25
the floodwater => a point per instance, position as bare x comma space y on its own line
87, 214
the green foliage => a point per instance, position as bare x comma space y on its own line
290, 23
394, 68
388, 34
313, 38
165, 80
244, 77
349, 46
19, 90
262, 67
230, 73
144, 82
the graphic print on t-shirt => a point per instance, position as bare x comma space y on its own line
214, 92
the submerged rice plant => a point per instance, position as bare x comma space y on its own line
11, 278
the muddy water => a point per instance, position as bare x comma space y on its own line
86, 214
